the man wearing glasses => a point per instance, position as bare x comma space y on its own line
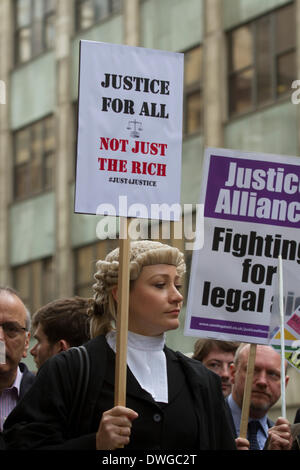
15, 379
217, 356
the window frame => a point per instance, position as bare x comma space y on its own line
46, 14
33, 293
275, 96
111, 11
28, 165
196, 86
99, 250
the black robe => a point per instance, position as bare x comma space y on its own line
46, 419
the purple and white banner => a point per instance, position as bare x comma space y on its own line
252, 213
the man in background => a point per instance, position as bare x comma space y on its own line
217, 356
15, 378
265, 392
58, 326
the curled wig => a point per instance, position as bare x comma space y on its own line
142, 253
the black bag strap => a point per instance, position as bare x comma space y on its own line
75, 419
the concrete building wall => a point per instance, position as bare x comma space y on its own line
192, 152
171, 25
272, 130
32, 229
33, 91
240, 11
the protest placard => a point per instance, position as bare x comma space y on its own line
251, 216
129, 130
128, 150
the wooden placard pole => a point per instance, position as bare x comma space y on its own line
282, 337
247, 391
122, 314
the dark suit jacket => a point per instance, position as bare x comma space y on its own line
42, 418
27, 380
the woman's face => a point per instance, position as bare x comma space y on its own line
155, 300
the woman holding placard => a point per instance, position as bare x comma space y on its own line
173, 402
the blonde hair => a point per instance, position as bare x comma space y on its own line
142, 253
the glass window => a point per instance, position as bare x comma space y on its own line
192, 66
262, 60
23, 146
241, 48
241, 91
85, 265
49, 149
90, 12
23, 42
21, 282
35, 283
21, 181
192, 91
34, 158
285, 72
102, 8
34, 28
285, 49
36, 273
49, 5
22, 162
49, 35
48, 288
194, 108
84, 268
23, 12
37, 28
285, 28
86, 16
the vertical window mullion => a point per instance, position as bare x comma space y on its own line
254, 79
31, 27
274, 58
43, 176
31, 288
34, 173
44, 26
16, 34
29, 166
31, 39
192, 91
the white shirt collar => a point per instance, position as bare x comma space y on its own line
17, 382
147, 361
146, 343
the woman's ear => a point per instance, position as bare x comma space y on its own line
114, 292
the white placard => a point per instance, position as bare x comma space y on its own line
251, 216
129, 130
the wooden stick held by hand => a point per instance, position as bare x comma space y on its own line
122, 315
247, 391
282, 337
